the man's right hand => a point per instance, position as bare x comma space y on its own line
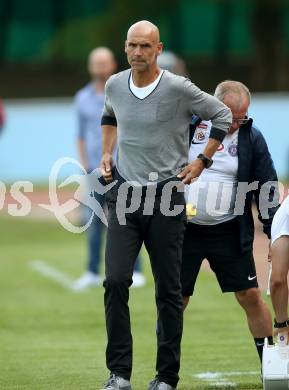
106, 166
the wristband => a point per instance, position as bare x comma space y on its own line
279, 325
208, 162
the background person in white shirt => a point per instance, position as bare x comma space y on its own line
216, 232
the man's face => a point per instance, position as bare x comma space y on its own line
142, 50
239, 112
101, 66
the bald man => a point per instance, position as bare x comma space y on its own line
148, 111
217, 233
89, 102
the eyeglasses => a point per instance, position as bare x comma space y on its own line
241, 122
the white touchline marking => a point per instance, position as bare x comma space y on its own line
208, 375
52, 273
223, 384
217, 375
218, 379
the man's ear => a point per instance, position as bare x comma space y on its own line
160, 48
125, 46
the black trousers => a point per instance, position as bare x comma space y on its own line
163, 238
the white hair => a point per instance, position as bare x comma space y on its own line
230, 87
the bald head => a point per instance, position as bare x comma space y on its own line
142, 47
144, 28
101, 63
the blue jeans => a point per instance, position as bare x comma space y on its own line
95, 233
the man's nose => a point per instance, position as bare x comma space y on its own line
137, 51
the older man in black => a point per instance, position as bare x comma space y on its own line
224, 234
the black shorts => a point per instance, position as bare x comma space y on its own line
220, 245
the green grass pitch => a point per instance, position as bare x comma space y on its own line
52, 338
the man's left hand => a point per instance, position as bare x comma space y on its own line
192, 171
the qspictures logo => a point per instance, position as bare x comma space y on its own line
89, 191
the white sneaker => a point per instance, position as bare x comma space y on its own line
138, 279
89, 279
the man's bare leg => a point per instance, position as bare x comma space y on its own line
258, 316
279, 285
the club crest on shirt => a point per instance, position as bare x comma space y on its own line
201, 133
233, 150
200, 136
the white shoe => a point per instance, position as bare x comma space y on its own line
138, 279
89, 279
